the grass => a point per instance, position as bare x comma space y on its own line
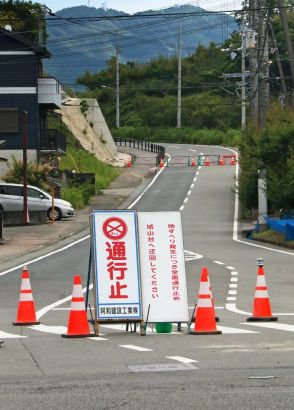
275, 238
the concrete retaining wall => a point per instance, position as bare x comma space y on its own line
16, 218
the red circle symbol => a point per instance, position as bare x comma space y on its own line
114, 228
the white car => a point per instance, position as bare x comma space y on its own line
11, 199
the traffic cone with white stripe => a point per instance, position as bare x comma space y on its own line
26, 314
233, 161
161, 164
221, 161
206, 162
261, 305
193, 163
205, 323
78, 325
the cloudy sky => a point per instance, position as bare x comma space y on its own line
132, 6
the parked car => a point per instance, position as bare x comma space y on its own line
11, 199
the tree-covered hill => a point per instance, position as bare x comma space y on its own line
79, 45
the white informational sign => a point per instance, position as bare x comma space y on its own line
116, 265
163, 267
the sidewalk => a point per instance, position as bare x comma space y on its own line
27, 242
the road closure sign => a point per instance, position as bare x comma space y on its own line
163, 267
116, 265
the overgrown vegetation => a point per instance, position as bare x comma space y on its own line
36, 173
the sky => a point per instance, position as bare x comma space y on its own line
132, 6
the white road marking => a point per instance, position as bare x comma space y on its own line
47, 308
232, 292
234, 330
185, 200
232, 308
193, 150
29, 262
4, 335
271, 325
233, 273
97, 339
173, 146
219, 263
182, 359
189, 193
138, 348
231, 298
147, 187
234, 279
233, 285
182, 207
58, 330
230, 268
216, 307
192, 185
236, 217
192, 255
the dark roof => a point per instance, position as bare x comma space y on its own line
43, 52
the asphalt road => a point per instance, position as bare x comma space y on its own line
249, 366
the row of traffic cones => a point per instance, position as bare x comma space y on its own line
78, 325
205, 319
206, 162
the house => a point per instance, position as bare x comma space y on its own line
24, 88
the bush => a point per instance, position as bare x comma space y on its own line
74, 196
36, 173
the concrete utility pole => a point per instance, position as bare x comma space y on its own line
253, 66
263, 70
279, 64
179, 102
243, 84
284, 19
117, 120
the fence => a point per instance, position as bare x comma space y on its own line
145, 145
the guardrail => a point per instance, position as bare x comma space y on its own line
1, 227
145, 145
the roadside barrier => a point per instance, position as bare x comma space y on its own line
26, 314
78, 325
261, 305
205, 323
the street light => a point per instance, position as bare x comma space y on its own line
116, 103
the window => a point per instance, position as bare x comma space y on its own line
8, 120
11, 190
33, 193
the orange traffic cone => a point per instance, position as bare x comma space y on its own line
207, 162
261, 305
78, 325
161, 164
216, 317
129, 163
205, 317
233, 161
221, 161
26, 314
193, 163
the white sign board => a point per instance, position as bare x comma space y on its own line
163, 267
116, 265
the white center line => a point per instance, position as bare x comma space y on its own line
218, 262
234, 279
230, 267
138, 348
189, 193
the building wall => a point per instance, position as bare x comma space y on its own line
19, 89
8, 154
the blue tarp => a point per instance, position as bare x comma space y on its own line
285, 226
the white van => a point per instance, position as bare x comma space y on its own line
11, 199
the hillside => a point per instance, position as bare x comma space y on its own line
79, 45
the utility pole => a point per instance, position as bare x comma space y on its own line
243, 84
253, 66
263, 69
284, 19
117, 122
25, 166
179, 101
279, 64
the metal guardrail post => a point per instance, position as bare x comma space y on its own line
1, 226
